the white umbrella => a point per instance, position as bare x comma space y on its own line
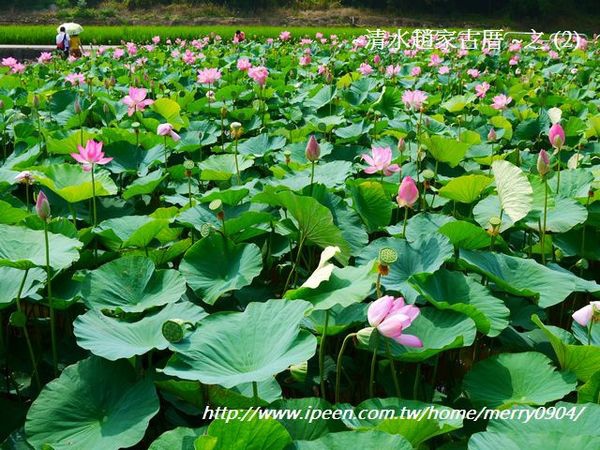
72, 28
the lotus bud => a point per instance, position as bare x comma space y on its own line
543, 163
42, 206
556, 135
558, 254
494, 226
288, 157
491, 137
36, 102
401, 145
365, 334
407, 193
223, 111
313, 150
582, 264
174, 330
77, 106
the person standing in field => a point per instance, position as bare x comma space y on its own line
63, 42
75, 44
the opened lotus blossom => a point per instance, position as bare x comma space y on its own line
209, 76
90, 155
75, 79
136, 100
501, 102
380, 160
391, 316
166, 129
259, 74
414, 99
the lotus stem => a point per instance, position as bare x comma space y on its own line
255, 393
26, 332
312, 177
94, 212
338, 367
373, 363
405, 219
294, 265
322, 355
416, 384
393, 368
50, 302
237, 167
166, 152
543, 237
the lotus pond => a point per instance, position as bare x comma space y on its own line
300, 225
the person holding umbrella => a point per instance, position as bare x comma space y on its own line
72, 31
63, 41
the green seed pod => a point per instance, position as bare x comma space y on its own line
18, 319
205, 229
495, 221
388, 256
188, 164
299, 371
428, 174
215, 205
174, 330
582, 264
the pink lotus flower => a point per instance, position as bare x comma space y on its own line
380, 160
118, 53
209, 76
90, 155
365, 69
556, 135
391, 317
501, 102
473, 73
25, 177
136, 100
45, 57
166, 129
75, 79
415, 71
514, 60
156, 39
376, 59
543, 163
481, 89
443, 70
305, 60
18, 68
285, 35
42, 206
131, 48
588, 314
407, 193
259, 74
414, 99
392, 71
9, 62
189, 57
434, 60
244, 64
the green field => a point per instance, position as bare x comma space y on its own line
44, 34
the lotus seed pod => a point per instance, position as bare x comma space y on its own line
428, 174
173, 330
365, 334
188, 164
388, 256
558, 254
205, 229
299, 371
215, 204
582, 264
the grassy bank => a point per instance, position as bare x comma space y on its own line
42, 34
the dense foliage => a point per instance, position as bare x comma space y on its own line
297, 224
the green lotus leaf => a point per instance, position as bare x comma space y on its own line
10, 282
215, 265
423, 256
131, 284
447, 150
180, 438
359, 439
302, 429
346, 286
563, 215
455, 291
93, 404
222, 167
372, 204
514, 191
144, 185
466, 235
234, 348
73, 184
582, 360
23, 248
130, 231
113, 339
253, 434
508, 379
465, 189
417, 428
